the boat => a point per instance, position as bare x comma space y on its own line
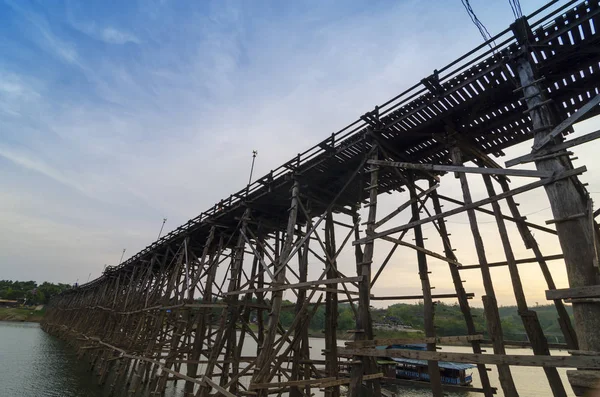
414, 369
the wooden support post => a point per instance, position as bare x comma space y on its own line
429, 310
261, 375
331, 308
203, 315
564, 319
567, 197
300, 348
229, 316
364, 325
463, 301
532, 326
489, 301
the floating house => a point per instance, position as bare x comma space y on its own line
414, 369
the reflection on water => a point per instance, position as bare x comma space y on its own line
35, 364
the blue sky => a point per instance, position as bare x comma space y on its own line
114, 115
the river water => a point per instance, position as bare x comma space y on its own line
35, 364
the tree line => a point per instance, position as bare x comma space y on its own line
29, 292
448, 319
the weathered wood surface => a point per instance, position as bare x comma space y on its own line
285, 286
517, 261
528, 158
472, 358
589, 291
473, 205
400, 341
416, 297
567, 123
445, 386
457, 168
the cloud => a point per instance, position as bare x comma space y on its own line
39, 166
114, 36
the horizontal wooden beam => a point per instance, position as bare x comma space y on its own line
518, 262
404, 206
299, 285
504, 216
427, 385
567, 123
458, 168
346, 381
556, 148
304, 382
423, 250
590, 291
402, 341
498, 197
411, 297
473, 358
518, 343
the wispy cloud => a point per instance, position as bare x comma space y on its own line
114, 36
108, 34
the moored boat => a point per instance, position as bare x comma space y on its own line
414, 369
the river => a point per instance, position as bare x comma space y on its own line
35, 364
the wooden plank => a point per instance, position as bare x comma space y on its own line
423, 250
568, 122
532, 326
461, 294
411, 297
459, 168
527, 158
589, 291
405, 205
428, 309
445, 386
508, 218
299, 285
517, 261
519, 343
401, 341
217, 387
472, 358
490, 306
304, 382
469, 206
339, 382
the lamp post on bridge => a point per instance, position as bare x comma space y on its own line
254, 154
161, 228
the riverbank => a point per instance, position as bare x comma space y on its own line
21, 314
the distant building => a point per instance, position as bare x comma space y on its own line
8, 303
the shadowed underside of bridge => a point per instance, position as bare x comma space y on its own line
203, 305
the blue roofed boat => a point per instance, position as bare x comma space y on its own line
413, 369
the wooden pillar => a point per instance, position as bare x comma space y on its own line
331, 308
489, 300
300, 348
463, 301
532, 326
261, 375
364, 325
564, 319
203, 314
429, 310
229, 316
568, 199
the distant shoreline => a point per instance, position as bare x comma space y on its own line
21, 315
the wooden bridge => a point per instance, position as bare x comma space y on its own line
190, 306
